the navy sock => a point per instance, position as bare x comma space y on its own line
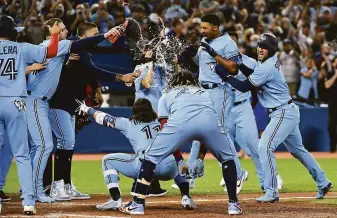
185, 189
115, 193
230, 177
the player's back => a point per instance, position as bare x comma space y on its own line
185, 102
140, 134
44, 82
12, 69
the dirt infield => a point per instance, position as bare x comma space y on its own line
279, 155
292, 205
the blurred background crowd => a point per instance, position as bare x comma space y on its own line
307, 29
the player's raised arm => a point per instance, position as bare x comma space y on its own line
102, 118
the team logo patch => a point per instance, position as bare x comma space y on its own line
212, 65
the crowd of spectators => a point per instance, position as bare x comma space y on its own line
307, 29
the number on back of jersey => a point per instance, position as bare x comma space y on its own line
7, 68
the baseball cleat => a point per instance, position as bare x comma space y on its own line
188, 203
322, 192
222, 182
43, 198
234, 208
110, 205
132, 208
4, 197
279, 182
74, 194
239, 182
267, 199
57, 191
29, 210
156, 193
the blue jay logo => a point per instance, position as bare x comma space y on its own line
212, 65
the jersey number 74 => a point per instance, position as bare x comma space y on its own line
7, 67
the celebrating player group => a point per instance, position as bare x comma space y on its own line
172, 107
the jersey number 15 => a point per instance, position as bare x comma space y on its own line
7, 67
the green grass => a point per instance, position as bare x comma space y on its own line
88, 177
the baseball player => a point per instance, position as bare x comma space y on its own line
150, 85
225, 53
190, 115
242, 123
273, 93
14, 58
76, 74
41, 87
141, 129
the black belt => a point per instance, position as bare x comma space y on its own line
239, 102
209, 85
270, 110
44, 98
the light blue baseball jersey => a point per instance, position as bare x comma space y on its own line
188, 100
44, 83
268, 77
250, 63
308, 83
153, 93
14, 59
225, 47
139, 134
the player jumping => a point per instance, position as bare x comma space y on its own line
273, 93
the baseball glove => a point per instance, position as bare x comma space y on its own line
81, 121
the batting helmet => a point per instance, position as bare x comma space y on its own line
268, 41
8, 28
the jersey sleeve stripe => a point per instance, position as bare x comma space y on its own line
252, 82
71, 42
45, 55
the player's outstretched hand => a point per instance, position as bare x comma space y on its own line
197, 169
56, 28
208, 49
82, 108
130, 77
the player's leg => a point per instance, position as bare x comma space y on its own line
112, 165
295, 147
278, 129
48, 175
218, 143
63, 127
41, 140
168, 141
6, 157
16, 128
247, 136
223, 98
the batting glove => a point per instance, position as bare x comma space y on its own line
206, 47
82, 108
197, 169
183, 168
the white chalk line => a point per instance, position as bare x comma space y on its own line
69, 204
60, 215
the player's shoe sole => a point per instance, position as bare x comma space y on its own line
29, 210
